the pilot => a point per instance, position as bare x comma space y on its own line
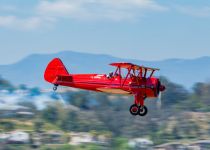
116, 75
132, 76
110, 75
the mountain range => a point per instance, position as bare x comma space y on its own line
30, 70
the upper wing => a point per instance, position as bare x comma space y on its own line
132, 66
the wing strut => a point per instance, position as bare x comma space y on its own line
129, 70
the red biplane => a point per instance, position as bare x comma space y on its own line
127, 79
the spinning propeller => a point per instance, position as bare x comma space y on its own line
160, 88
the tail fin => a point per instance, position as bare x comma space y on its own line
54, 69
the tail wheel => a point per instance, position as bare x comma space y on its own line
142, 110
134, 109
55, 87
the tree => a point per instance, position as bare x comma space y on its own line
8, 126
173, 94
120, 143
23, 87
79, 99
202, 89
202, 93
28, 104
50, 113
55, 113
38, 125
35, 91
6, 85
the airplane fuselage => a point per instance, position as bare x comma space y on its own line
114, 85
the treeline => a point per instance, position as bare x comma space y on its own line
104, 112
6, 85
86, 111
176, 96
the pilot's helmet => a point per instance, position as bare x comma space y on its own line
111, 74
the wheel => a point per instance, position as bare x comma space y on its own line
55, 88
134, 109
142, 110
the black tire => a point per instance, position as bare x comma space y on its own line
132, 109
54, 88
142, 110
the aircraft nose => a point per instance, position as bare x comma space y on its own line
160, 87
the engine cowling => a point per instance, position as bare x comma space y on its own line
162, 88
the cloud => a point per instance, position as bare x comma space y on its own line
98, 9
57, 8
202, 12
22, 23
48, 12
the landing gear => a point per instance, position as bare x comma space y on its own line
55, 87
142, 110
138, 110
138, 107
134, 109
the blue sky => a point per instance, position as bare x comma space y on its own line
139, 29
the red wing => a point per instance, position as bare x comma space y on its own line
132, 66
113, 90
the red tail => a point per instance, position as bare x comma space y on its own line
54, 69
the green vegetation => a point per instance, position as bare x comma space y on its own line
184, 116
6, 85
53, 147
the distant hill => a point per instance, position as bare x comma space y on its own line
30, 70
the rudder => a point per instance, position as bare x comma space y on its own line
54, 69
